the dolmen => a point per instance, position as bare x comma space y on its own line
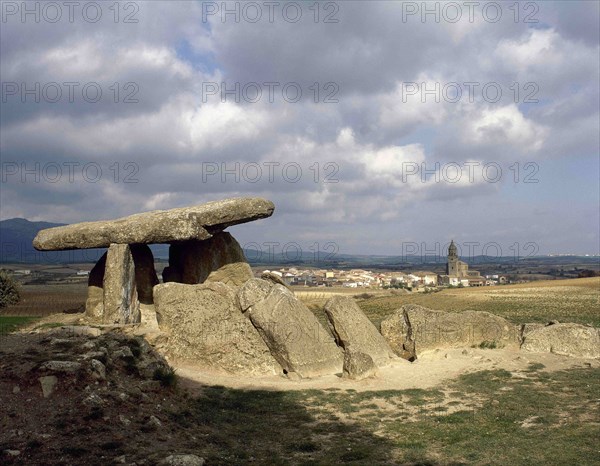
122, 281
209, 306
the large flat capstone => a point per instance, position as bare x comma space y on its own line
160, 226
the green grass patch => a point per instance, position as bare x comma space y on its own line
9, 324
488, 345
277, 428
529, 424
535, 366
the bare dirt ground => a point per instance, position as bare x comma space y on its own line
119, 410
430, 370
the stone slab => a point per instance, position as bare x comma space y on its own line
160, 226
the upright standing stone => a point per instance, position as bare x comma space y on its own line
145, 281
293, 334
121, 305
94, 305
171, 274
145, 273
397, 332
218, 259
352, 328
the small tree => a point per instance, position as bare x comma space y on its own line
9, 290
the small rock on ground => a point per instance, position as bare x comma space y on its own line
183, 460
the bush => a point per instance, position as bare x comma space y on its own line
166, 376
363, 296
9, 290
488, 345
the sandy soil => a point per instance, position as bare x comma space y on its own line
430, 370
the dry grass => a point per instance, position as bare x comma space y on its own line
42, 300
319, 297
575, 300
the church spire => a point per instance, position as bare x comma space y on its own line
452, 251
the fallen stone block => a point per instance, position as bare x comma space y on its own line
291, 331
352, 328
205, 326
358, 366
413, 329
48, 384
567, 339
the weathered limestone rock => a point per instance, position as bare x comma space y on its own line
567, 339
183, 460
66, 367
160, 226
397, 333
121, 305
293, 334
94, 305
148, 320
252, 292
526, 329
144, 276
218, 259
273, 277
358, 366
206, 326
98, 369
352, 328
48, 384
413, 329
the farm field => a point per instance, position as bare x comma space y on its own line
42, 300
572, 300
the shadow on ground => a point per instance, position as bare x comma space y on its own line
129, 418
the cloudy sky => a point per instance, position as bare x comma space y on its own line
371, 125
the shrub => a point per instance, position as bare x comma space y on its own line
9, 290
166, 376
488, 345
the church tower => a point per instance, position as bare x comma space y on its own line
452, 264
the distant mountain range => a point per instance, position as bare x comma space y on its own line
16, 236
